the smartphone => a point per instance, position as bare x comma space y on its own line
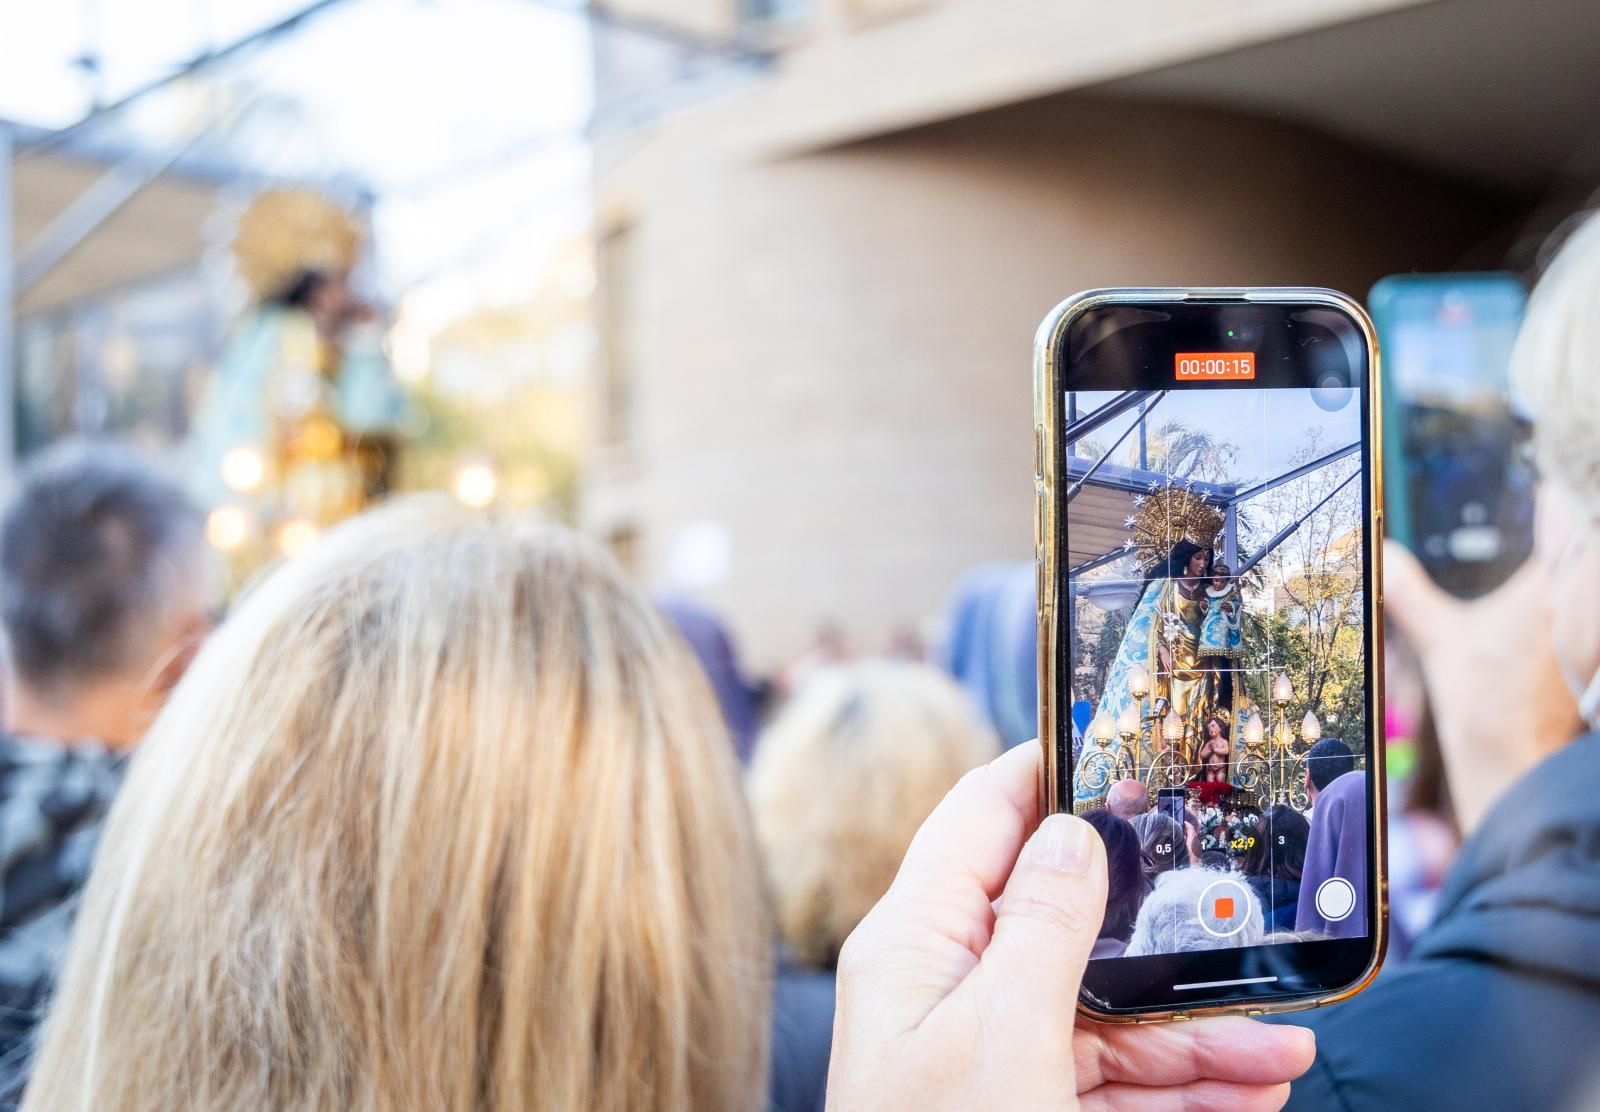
1170, 802
1459, 492
1209, 523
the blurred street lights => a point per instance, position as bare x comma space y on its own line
227, 527
475, 484
243, 469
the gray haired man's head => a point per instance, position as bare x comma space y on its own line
102, 574
1127, 798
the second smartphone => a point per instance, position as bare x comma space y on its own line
1460, 490
1209, 516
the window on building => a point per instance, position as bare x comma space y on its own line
614, 272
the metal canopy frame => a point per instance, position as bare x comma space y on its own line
1227, 497
1138, 423
132, 170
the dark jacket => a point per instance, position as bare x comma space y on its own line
53, 802
802, 1035
1279, 900
1500, 1003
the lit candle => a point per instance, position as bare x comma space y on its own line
1254, 731
1282, 689
1138, 681
1101, 728
1128, 721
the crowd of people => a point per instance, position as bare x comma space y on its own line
1279, 854
446, 814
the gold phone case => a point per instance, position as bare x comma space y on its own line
1048, 390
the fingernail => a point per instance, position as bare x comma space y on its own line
1061, 842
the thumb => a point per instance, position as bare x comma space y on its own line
1416, 605
1047, 919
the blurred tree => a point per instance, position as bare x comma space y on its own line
1182, 452
1315, 579
521, 436
1172, 448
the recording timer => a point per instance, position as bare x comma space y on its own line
1214, 366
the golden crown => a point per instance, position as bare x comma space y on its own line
1166, 516
287, 231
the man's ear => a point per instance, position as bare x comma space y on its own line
176, 660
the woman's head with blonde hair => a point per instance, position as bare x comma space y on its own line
442, 818
841, 781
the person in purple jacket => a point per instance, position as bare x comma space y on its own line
1337, 850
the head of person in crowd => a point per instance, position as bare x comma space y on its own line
1128, 798
444, 816
1554, 374
713, 646
1167, 922
1161, 841
839, 783
1126, 882
1326, 761
992, 646
1274, 863
1279, 850
106, 591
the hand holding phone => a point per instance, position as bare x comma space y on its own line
1489, 734
958, 990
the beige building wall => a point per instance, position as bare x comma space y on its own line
854, 69
831, 353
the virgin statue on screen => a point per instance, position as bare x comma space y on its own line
1162, 678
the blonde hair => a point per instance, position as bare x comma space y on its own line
841, 781
1556, 364
443, 818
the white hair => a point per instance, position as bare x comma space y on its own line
1556, 364
1169, 922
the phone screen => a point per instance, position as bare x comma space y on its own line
1460, 495
1214, 556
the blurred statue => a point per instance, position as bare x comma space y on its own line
300, 421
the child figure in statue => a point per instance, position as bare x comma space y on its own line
1219, 631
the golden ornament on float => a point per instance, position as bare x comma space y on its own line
1170, 515
287, 232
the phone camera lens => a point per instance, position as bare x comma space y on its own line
1332, 391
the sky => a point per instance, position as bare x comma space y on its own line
1267, 426
465, 117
